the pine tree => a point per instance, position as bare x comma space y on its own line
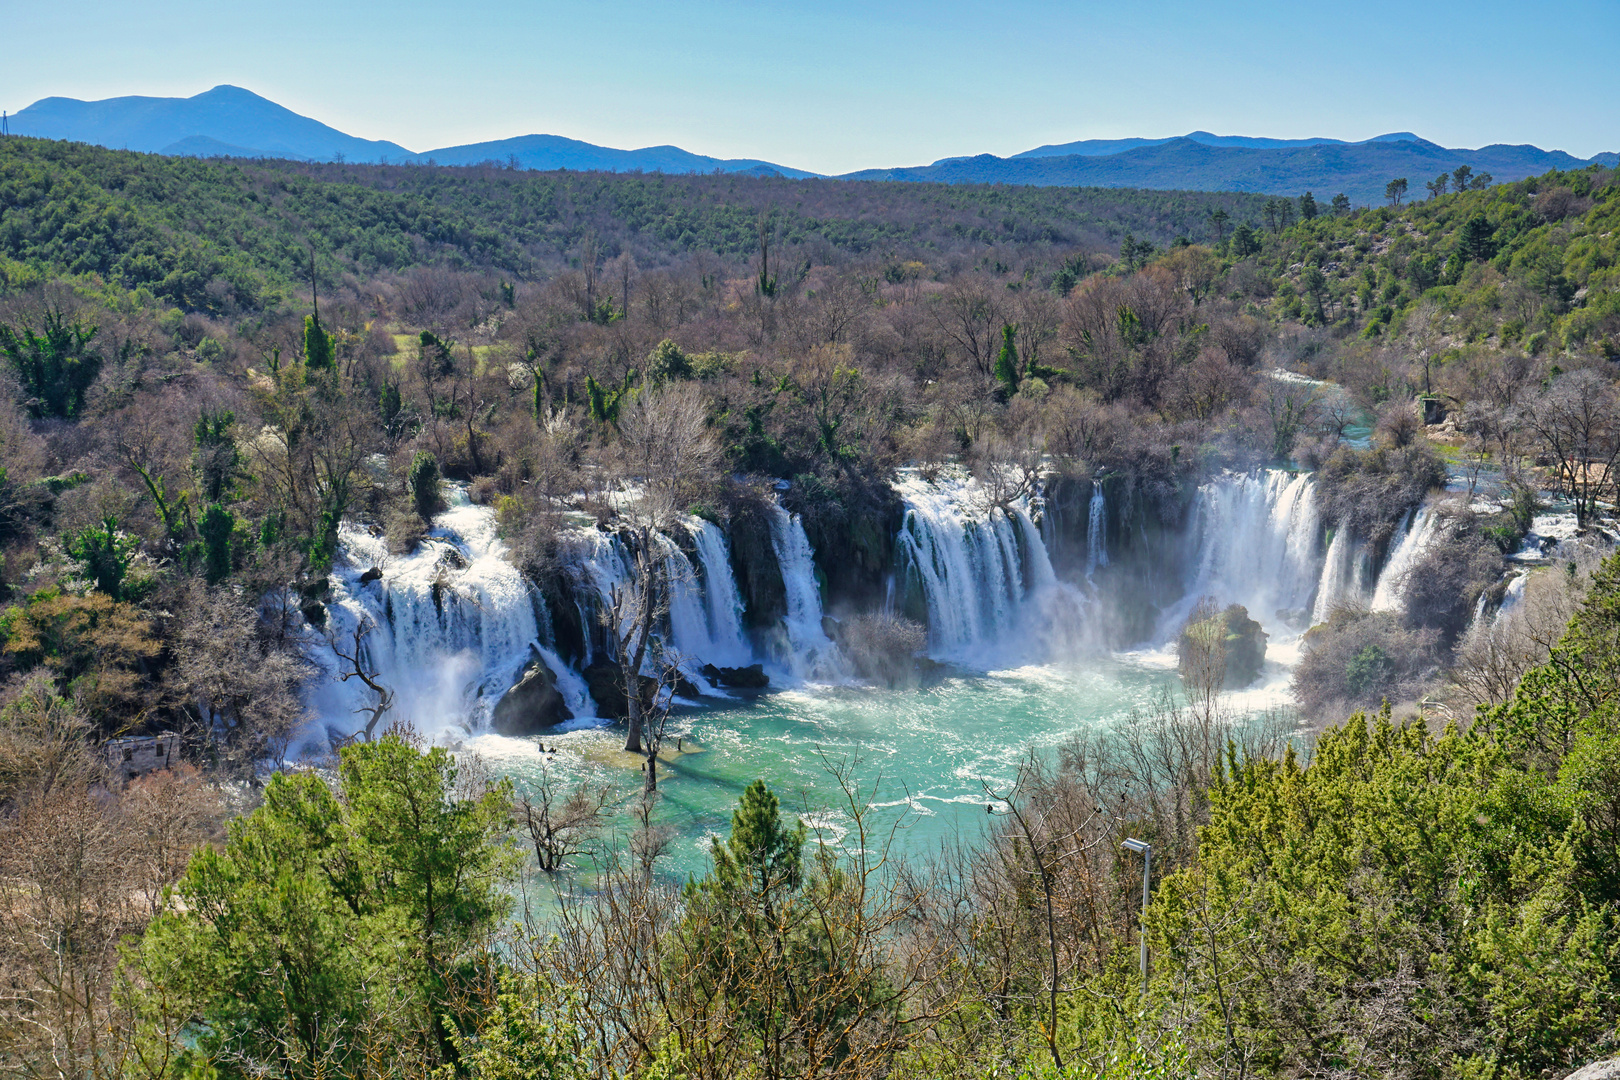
1007, 360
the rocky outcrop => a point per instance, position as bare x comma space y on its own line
606, 685
532, 704
1598, 1070
1228, 642
851, 529
753, 561
752, 677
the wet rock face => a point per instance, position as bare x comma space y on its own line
533, 704
606, 685
753, 561
852, 535
752, 677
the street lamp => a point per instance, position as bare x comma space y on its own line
1144, 849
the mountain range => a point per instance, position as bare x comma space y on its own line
228, 121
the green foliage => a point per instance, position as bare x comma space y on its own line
526, 1035
333, 924
320, 348
1463, 886
57, 367
217, 528
106, 554
667, 362
1368, 668
1006, 370
216, 460
424, 482
220, 236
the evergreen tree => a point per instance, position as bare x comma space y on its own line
424, 481
56, 368
1476, 239
328, 913
1307, 207
1006, 370
320, 348
216, 528
1341, 204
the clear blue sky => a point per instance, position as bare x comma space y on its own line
837, 85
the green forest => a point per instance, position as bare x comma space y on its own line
211, 366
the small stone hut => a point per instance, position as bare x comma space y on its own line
135, 757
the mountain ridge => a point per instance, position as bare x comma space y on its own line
228, 121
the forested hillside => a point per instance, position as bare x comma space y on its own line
186, 426
222, 236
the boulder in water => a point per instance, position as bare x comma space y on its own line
374, 574
532, 704
606, 685
752, 677
1221, 649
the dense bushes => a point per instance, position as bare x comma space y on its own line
1358, 658
1369, 491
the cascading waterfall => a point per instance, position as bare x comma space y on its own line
980, 571
1344, 575
1256, 538
1097, 531
808, 653
452, 624
1414, 544
703, 621
728, 645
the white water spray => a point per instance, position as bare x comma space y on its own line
452, 624
1097, 531
1414, 543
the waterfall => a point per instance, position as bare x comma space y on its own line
1414, 543
1097, 531
703, 623
809, 653
1256, 543
1344, 575
728, 645
453, 622
986, 574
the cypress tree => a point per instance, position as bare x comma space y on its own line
1007, 360
320, 348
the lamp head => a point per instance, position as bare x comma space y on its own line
1141, 847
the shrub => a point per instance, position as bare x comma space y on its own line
424, 481
1359, 658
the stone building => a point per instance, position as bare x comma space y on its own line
134, 757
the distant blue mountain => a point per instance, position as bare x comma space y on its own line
556, 152
224, 120
1103, 147
1360, 170
228, 121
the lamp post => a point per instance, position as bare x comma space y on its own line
1144, 849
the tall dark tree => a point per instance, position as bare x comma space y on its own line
1307, 206
57, 367
1395, 190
